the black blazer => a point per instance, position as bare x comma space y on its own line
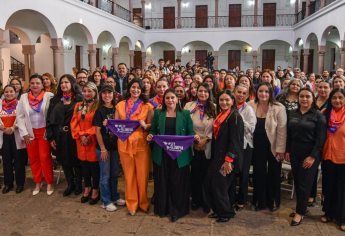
229, 142
124, 85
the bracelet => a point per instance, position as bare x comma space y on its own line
103, 150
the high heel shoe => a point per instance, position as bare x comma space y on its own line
85, 199
93, 201
36, 191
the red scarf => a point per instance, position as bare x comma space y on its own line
66, 96
133, 108
219, 121
36, 102
240, 106
158, 99
10, 106
336, 119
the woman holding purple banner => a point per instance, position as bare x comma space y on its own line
172, 184
135, 151
227, 144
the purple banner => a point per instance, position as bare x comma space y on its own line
173, 145
122, 128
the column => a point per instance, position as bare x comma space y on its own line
296, 6
294, 59
322, 52
58, 57
5, 58
305, 60
29, 61
115, 56
322, 3
342, 54
92, 57
307, 8
131, 58
255, 13
255, 59
179, 13
216, 13
143, 12
143, 60
178, 55
130, 6
215, 54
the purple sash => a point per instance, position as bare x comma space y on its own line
122, 128
173, 145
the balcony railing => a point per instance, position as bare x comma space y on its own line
112, 8
223, 22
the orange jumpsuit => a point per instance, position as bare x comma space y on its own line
135, 158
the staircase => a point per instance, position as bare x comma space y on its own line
17, 68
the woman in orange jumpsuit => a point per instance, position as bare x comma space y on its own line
134, 151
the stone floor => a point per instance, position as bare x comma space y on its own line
23, 214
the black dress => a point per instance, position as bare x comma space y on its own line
266, 170
172, 184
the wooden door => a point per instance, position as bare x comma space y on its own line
333, 59
269, 14
235, 14
201, 16
169, 17
137, 59
97, 57
268, 59
77, 56
234, 59
200, 56
169, 55
137, 17
304, 7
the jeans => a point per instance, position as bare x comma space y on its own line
109, 170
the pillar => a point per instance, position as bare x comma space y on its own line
216, 13
130, 6
216, 61
307, 8
255, 13
255, 59
296, 6
322, 52
294, 59
342, 54
322, 3
143, 59
58, 57
115, 56
305, 60
5, 58
143, 12
29, 60
92, 57
178, 55
179, 2
131, 58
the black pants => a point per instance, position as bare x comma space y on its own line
333, 178
199, 167
73, 175
216, 193
14, 161
303, 178
314, 187
172, 188
90, 174
242, 194
266, 177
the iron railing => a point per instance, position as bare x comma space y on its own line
17, 68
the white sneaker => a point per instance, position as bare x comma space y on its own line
110, 207
120, 202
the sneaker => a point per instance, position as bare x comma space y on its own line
120, 202
109, 207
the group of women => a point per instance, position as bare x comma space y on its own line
235, 124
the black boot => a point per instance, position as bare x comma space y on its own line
70, 188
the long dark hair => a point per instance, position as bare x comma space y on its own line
142, 96
74, 86
313, 106
101, 102
164, 106
228, 92
20, 92
271, 100
92, 78
329, 102
210, 110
